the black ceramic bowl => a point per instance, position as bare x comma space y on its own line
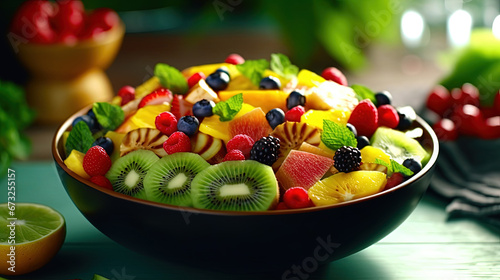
241, 240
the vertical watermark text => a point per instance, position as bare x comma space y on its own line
11, 205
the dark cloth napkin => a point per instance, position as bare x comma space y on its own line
468, 174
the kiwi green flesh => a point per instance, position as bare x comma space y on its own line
169, 180
398, 146
127, 173
235, 186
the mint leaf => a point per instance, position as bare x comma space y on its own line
171, 78
109, 116
334, 136
394, 167
253, 69
281, 65
79, 138
226, 110
363, 92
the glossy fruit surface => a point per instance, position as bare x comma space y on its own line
188, 124
334, 74
203, 108
275, 117
294, 99
218, 80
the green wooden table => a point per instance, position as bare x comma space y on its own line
426, 246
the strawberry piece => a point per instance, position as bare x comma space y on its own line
195, 78
234, 155
282, 206
234, 59
364, 117
446, 130
177, 142
127, 93
387, 116
180, 107
296, 198
159, 96
241, 142
439, 100
294, 114
102, 181
334, 74
166, 122
394, 180
96, 161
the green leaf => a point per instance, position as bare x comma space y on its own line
253, 69
363, 93
334, 136
394, 167
171, 78
13, 103
281, 65
226, 110
109, 116
80, 138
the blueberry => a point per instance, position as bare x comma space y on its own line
275, 117
352, 129
223, 69
383, 98
404, 122
218, 80
91, 114
203, 108
270, 83
188, 125
91, 123
363, 141
413, 165
106, 143
294, 99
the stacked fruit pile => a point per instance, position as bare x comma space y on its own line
62, 21
459, 112
246, 135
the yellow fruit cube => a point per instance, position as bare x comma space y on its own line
265, 99
208, 69
217, 129
316, 117
147, 87
370, 154
309, 79
75, 163
146, 116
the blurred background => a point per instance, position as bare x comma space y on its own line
404, 46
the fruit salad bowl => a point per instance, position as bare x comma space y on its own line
260, 240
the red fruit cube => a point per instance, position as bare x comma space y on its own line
439, 100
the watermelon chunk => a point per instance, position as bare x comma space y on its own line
253, 124
302, 169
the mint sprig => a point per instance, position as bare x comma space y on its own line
281, 65
394, 167
334, 136
80, 138
227, 110
253, 69
171, 78
363, 93
109, 116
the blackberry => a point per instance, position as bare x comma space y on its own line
347, 159
266, 150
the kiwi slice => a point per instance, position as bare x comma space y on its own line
398, 145
169, 180
128, 172
235, 186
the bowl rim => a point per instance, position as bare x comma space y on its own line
59, 161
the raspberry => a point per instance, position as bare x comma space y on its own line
387, 116
439, 100
266, 150
234, 155
234, 59
241, 142
294, 114
195, 78
365, 118
394, 180
102, 181
177, 142
297, 197
347, 159
282, 206
127, 93
166, 122
334, 74
96, 161
446, 130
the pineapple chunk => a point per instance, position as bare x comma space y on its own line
75, 163
201, 91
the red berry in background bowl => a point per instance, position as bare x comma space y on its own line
491, 128
439, 100
334, 74
296, 198
446, 130
468, 119
496, 103
32, 22
69, 18
234, 59
99, 21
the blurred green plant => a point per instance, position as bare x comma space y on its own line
15, 116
